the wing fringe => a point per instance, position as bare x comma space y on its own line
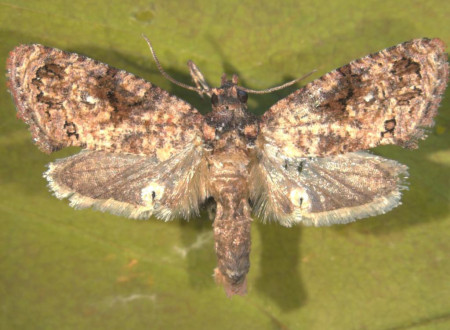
78, 201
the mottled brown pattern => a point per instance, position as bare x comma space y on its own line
71, 100
148, 153
346, 109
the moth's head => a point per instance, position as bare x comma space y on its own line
228, 96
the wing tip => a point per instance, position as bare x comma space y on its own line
14, 81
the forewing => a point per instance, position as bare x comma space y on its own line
71, 100
131, 185
385, 98
325, 191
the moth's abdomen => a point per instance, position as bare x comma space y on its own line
232, 244
228, 184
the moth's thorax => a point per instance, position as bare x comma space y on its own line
228, 166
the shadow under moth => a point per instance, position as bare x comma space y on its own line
148, 153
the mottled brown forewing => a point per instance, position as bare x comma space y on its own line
71, 100
385, 98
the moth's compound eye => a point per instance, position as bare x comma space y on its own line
214, 100
242, 96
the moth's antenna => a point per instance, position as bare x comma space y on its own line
165, 74
277, 88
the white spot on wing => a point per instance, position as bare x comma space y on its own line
299, 198
368, 97
91, 100
152, 193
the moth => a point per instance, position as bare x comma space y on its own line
148, 153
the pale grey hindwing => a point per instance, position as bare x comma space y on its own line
130, 185
325, 191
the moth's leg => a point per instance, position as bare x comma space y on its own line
211, 208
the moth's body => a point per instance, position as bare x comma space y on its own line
230, 133
148, 153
